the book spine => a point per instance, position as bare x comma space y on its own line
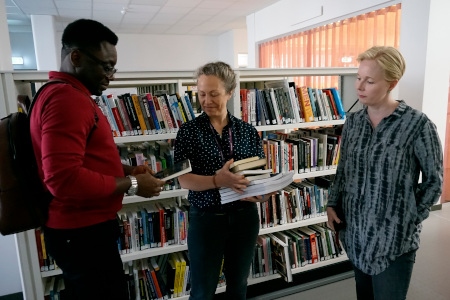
183, 100
124, 115
116, 114
166, 114
139, 114
132, 114
146, 114
338, 101
108, 115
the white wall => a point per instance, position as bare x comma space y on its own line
10, 282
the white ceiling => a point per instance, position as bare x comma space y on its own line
185, 17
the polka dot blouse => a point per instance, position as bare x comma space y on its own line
208, 151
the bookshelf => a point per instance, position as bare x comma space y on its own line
26, 82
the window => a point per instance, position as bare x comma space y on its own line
332, 45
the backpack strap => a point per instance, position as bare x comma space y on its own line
38, 92
35, 98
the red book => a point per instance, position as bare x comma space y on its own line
116, 114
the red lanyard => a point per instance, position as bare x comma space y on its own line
220, 145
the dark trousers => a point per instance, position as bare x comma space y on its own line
391, 284
90, 260
215, 235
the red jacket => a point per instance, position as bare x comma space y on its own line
79, 171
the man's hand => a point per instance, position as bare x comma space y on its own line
148, 185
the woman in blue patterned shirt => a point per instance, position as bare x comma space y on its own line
385, 148
217, 232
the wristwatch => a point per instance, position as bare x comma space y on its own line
134, 186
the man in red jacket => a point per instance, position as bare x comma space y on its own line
80, 165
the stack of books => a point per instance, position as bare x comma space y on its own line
261, 181
258, 187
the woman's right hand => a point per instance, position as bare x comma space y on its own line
225, 178
333, 219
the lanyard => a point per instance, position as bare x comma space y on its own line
220, 145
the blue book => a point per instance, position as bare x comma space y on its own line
338, 101
152, 109
189, 105
312, 99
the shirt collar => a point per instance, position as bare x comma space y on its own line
204, 118
70, 79
398, 112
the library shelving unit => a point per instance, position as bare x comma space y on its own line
26, 82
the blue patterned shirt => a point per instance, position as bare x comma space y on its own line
377, 180
208, 151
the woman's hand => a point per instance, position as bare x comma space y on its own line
333, 221
225, 178
262, 198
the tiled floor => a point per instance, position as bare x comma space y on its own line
431, 274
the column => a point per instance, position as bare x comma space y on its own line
425, 46
46, 46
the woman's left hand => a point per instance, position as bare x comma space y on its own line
262, 198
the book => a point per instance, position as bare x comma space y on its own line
124, 115
177, 169
257, 187
148, 119
306, 104
254, 172
253, 164
243, 161
257, 177
280, 256
140, 116
129, 106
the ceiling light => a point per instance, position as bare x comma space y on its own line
17, 60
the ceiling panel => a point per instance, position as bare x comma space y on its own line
140, 16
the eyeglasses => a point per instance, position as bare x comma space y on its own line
109, 71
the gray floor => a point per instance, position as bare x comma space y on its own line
430, 279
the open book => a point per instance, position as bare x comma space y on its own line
179, 168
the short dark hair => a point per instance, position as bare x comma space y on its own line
86, 33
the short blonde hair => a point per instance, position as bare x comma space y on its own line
388, 58
221, 70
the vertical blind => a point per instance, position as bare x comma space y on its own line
332, 45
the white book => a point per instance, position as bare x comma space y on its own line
255, 172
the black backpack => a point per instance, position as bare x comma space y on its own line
23, 199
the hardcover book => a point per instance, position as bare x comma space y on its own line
254, 163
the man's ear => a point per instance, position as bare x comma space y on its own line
75, 58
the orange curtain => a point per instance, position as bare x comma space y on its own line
333, 45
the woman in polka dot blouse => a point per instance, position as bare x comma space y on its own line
218, 232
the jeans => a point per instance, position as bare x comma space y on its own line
90, 260
391, 284
213, 236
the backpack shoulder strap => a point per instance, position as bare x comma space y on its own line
35, 97
59, 81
